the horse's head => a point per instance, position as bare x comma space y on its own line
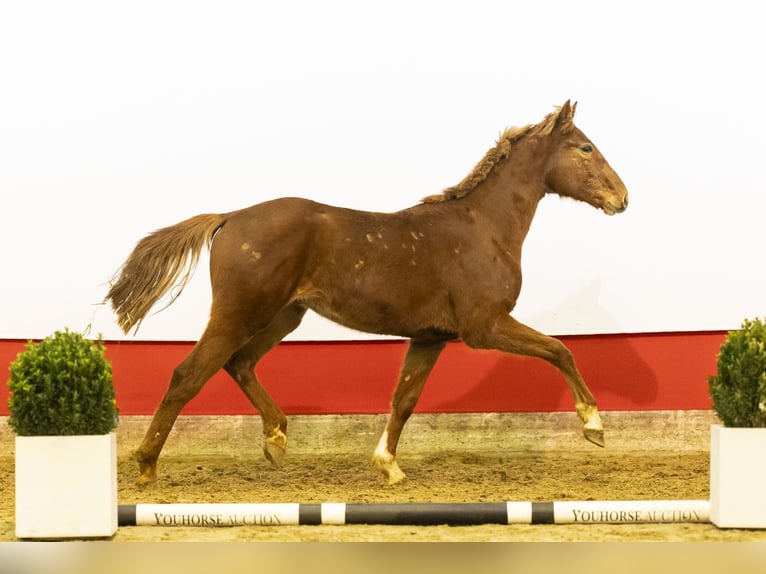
577, 169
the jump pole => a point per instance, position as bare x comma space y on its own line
417, 514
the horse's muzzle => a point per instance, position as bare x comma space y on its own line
612, 208
624, 205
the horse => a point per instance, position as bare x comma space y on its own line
447, 268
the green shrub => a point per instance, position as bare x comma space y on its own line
62, 386
738, 389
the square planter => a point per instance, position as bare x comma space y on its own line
737, 470
66, 486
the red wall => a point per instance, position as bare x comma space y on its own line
653, 371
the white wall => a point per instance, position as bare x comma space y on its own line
119, 118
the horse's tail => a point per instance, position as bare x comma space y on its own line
162, 260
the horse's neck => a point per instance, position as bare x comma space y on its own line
507, 199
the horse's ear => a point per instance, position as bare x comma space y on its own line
566, 114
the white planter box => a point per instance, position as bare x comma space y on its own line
66, 486
737, 470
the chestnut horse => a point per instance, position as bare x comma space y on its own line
448, 268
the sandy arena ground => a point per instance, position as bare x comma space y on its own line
447, 458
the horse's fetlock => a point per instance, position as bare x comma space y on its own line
276, 437
143, 457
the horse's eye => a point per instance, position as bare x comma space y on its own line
587, 148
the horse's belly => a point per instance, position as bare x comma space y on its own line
382, 317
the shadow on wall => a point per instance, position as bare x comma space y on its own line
615, 367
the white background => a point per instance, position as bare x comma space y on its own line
117, 118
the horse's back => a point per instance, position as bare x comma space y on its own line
287, 220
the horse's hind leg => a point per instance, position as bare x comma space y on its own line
208, 355
513, 337
420, 359
241, 367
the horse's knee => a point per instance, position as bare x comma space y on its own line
560, 355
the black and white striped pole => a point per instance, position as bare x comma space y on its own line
419, 514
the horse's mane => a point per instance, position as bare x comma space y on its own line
501, 151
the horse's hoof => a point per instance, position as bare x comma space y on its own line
396, 477
274, 447
146, 480
274, 453
596, 436
147, 472
390, 469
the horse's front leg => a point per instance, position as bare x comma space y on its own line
420, 359
511, 336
